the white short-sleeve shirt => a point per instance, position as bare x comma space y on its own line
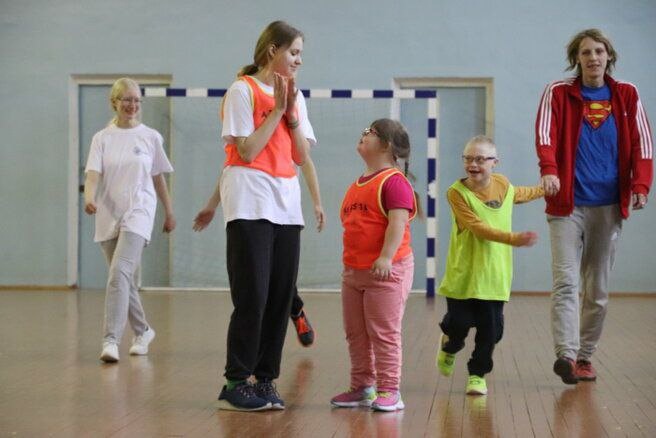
127, 160
248, 193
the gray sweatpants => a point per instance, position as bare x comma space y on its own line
583, 251
122, 301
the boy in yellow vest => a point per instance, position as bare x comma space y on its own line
478, 273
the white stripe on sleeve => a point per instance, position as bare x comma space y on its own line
646, 147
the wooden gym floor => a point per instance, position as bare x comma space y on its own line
52, 383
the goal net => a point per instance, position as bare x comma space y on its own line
197, 260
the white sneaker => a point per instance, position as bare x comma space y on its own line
109, 352
140, 343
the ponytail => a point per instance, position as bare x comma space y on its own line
396, 136
248, 70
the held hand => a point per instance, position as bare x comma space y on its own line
291, 100
203, 219
320, 217
280, 92
527, 238
550, 184
169, 224
639, 201
382, 268
90, 208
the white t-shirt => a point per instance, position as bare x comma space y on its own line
248, 193
127, 160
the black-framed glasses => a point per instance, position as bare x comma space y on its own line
368, 131
478, 159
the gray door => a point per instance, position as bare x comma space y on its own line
461, 116
95, 113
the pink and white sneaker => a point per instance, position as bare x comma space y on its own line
353, 398
388, 401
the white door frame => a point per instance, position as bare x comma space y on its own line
454, 82
75, 81
432, 83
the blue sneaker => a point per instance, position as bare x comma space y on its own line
266, 390
241, 398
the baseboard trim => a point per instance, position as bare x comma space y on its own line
33, 287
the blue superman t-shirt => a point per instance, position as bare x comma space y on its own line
596, 171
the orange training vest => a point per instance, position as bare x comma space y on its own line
276, 157
365, 221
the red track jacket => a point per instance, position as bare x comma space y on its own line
557, 130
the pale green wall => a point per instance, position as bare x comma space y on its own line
349, 44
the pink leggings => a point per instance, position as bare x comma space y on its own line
373, 311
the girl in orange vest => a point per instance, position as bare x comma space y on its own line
378, 267
267, 134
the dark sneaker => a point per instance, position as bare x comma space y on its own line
241, 398
565, 368
585, 371
304, 330
266, 390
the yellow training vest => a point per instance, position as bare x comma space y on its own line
479, 268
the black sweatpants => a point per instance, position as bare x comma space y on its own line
487, 317
262, 260
297, 303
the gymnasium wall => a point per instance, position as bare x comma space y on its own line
363, 44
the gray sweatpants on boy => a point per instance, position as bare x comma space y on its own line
122, 301
583, 251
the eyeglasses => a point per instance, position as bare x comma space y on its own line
370, 131
478, 159
130, 100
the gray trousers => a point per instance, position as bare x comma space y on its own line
122, 301
583, 252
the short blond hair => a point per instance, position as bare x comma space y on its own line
118, 88
481, 139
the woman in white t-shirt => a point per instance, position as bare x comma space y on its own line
124, 176
267, 134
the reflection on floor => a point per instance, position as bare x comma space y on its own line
52, 383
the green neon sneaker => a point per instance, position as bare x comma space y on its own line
444, 360
476, 385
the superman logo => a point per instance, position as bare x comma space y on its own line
596, 112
